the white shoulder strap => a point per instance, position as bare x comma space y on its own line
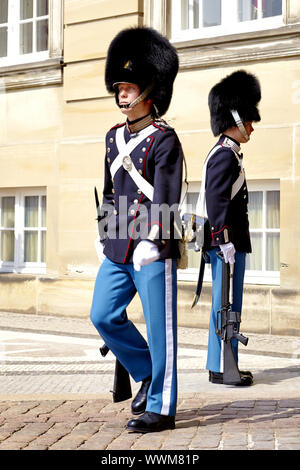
240, 180
201, 209
201, 203
126, 149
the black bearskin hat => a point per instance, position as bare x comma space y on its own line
144, 57
239, 91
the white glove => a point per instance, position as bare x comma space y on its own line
228, 251
144, 254
99, 249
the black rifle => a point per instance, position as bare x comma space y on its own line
122, 387
227, 327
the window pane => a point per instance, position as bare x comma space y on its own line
254, 260
273, 209
7, 245
3, 41
247, 10
31, 211
8, 212
273, 252
3, 11
43, 211
211, 12
255, 209
271, 8
42, 7
42, 35
31, 246
43, 247
191, 201
26, 38
26, 9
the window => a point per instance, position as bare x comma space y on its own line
192, 19
23, 31
264, 219
22, 231
263, 264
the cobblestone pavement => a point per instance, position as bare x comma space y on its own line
54, 393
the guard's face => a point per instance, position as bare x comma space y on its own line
127, 93
248, 127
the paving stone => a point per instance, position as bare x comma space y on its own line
62, 401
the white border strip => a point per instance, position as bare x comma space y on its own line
167, 384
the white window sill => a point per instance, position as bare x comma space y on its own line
251, 277
41, 73
240, 47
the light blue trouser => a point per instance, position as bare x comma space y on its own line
116, 284
215, 347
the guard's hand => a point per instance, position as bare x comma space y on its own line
99, 249
228, 251
145, 253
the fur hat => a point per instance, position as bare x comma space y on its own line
239, 91
144, 57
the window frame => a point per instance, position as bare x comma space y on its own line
19, 265
229, 22
232, 49
42, 70
261, 276
13, 36
251, 276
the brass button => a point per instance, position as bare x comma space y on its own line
136, 201
139, 191
140, 172
108, 149
108, 159
132, 212
141, 160
148, 140
113, 191
213, 228
111, 140
144, 149
115, 212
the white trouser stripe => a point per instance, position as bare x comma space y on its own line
167, 385
222, 357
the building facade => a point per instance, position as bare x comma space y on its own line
54, 114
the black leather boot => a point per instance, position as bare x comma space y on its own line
151, 422
138, 404
246, 377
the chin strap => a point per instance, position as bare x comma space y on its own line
239, 123
140, 98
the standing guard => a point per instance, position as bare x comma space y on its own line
233, 109
143, 170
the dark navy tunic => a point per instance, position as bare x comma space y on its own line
127, 211
227, 218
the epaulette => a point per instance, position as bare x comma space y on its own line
117, 125
161, 124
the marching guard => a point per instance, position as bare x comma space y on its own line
143, 169
233, 108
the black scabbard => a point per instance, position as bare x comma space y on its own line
200, 280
